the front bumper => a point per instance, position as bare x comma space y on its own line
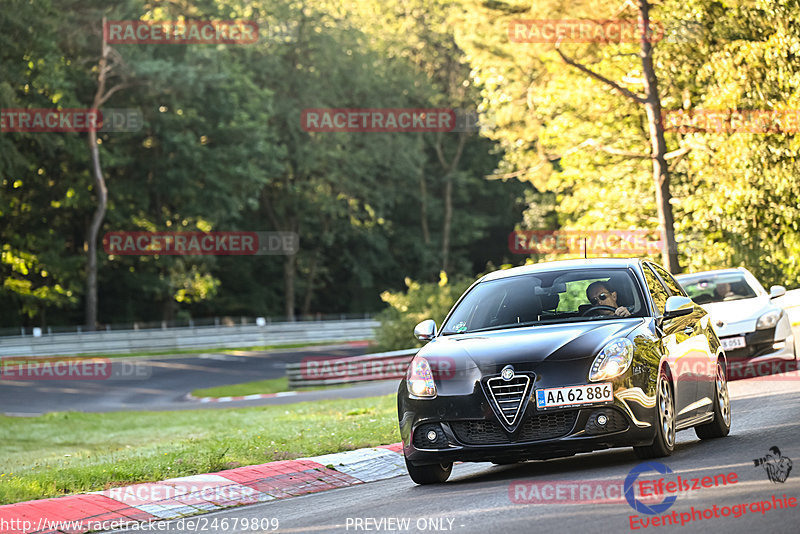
761, 345
467, 428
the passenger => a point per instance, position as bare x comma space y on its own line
599, 294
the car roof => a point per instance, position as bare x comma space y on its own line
563, 265
733, 270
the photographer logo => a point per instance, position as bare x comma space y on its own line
777, 466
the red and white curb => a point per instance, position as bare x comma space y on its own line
244, 397
198, 494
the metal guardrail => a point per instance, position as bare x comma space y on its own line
318, 371
190, 322
108, 342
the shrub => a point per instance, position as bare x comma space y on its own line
421, 301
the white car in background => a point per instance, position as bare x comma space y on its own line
749, 324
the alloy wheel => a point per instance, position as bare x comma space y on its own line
666, 415
722, 395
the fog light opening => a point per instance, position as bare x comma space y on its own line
602, 420
779, 345
432, 435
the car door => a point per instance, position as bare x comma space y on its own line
673, 339
702, 362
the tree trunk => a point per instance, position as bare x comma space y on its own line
288, 224
449, 168
94, 230
108, 61
448, 219
661, 178
102, 197
289, 265
423, 198
312, 274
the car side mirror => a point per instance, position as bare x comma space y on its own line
678, 306
426, 330
776, 291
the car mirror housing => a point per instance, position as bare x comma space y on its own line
426, 330
678, 306
776, 291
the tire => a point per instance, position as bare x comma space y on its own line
664, 442
720, 426
429, 474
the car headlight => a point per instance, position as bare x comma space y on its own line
419, 378
613, 360
769, 319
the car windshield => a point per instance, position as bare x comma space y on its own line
546, 298
707, 288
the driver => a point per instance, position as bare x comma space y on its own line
599, 294
724, 291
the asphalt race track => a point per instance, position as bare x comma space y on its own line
163, 383
482, 498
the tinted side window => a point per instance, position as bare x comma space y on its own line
672, 286
657, 289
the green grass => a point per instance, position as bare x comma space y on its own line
70, 452
273, 385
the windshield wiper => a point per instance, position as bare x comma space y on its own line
503, 326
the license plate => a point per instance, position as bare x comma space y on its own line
729, 343
574, 395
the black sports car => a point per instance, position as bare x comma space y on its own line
554, 359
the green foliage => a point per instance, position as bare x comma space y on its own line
735, 195
406, 309
222, 148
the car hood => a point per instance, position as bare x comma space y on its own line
529, 345
737, 316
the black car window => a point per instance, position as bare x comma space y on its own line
672, 286
657, 289
705, 288
544, 298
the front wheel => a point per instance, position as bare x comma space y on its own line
429, 474
720, 426
664, 442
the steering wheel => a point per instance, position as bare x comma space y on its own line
599, 307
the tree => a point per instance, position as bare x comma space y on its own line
108, 63
651, 100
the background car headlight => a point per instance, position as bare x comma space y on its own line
613, 360
419, 378
769, 319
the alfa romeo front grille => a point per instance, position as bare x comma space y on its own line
533, 428
508, 396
